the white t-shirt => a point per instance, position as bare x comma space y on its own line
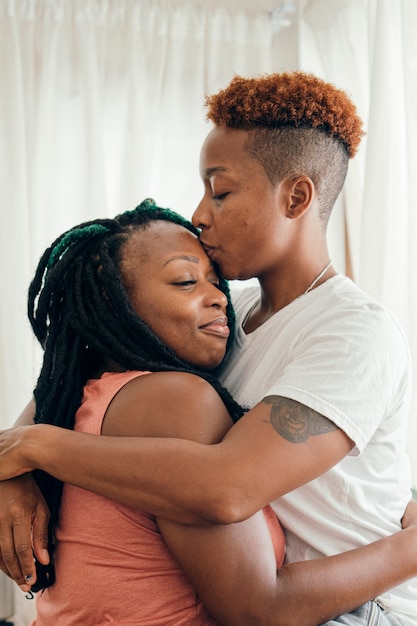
341, 353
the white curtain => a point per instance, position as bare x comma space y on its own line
101, 105
369, 48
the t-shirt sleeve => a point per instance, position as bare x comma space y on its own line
354, 370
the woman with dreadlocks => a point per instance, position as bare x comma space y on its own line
134, 322
112, 301
83, 306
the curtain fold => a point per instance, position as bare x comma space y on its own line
369, 48
101, 106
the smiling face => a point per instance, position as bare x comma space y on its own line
242, 230
173, 287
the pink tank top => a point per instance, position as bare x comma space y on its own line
112, 565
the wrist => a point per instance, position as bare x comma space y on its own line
20, 450
35, 444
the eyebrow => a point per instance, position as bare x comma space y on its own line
213, 170
184, 257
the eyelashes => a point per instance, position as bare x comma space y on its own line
220, 196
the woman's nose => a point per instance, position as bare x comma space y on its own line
217, 297
199, 217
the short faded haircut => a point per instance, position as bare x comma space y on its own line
298, 124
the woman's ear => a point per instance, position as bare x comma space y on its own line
301, 194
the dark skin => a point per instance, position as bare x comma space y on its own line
232, 567
31, 498
232, 479
294, 424
297, 585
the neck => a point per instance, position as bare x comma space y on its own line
108, 365
279, 292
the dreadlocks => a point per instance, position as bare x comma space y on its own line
80, 311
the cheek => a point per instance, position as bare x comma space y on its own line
230, 232
174, 327
157, 317
242, 236
146, 312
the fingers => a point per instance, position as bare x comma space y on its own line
24, 520
40, 536
16, 558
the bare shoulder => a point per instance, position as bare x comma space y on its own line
168, 404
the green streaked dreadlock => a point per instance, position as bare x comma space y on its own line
77, 324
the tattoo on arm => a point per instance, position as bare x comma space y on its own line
296, 422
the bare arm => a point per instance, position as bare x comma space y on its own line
348, 579
23, 521
119, 467
233, 567
231, 480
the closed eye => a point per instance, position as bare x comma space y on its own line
185, 283
220, 196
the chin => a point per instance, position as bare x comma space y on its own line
230, 273
210, 365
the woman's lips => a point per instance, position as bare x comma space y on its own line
218, 326
209, 250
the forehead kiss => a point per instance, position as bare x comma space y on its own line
175, 289
237, 212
